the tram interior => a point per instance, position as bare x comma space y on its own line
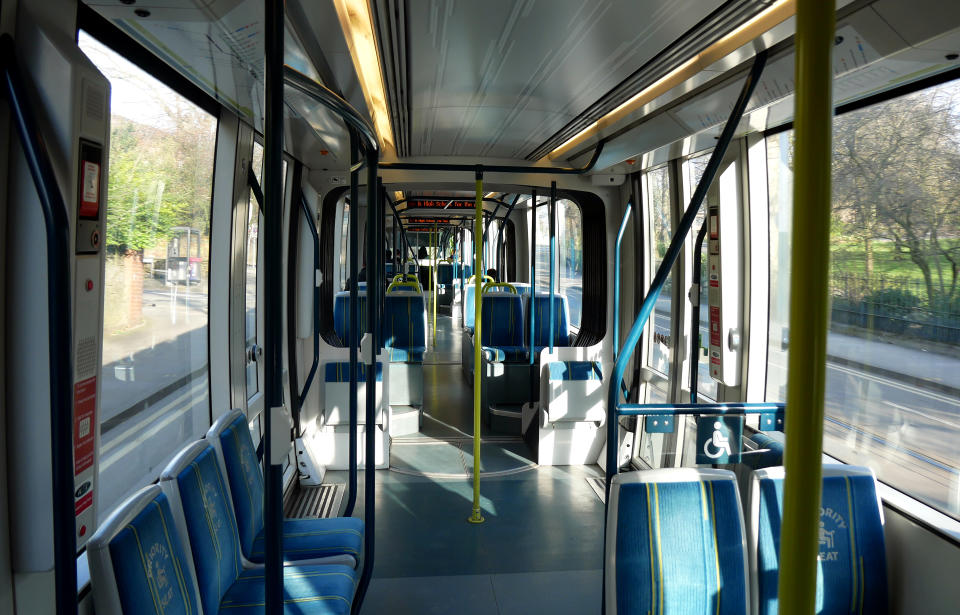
493, 188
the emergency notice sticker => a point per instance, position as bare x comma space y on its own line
84, 410
89, 189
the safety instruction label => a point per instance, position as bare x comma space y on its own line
84, 411
90, 189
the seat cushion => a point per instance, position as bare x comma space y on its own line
313, 538
505, 354
321, 590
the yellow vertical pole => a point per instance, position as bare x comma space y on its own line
433, 277
809, 314
477, 515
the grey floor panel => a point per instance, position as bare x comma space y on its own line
562, 592
463, 595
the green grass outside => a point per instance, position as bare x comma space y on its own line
849, 257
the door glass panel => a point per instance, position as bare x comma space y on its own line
661, 349
154, 383
705, 384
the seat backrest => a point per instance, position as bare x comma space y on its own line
502, 319
138, 562
675, 543
469, 306
405, 321
341, 313
541, 311
230, 437
851, 567
445, 273
195, 476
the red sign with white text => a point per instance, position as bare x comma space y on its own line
84, 410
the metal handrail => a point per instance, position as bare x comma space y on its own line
673, 252
60, 338
616, 279
696, 300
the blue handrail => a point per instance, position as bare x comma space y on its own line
732, 408
616, 279
676, 244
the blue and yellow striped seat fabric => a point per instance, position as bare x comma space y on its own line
851, 566
404, 327
502, 323
225, 585
541, 313
148, 570
302, 538
341, 314
675, 544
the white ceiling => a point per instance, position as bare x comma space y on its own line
498, 78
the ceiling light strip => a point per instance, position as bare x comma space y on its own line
777, 13
357, 24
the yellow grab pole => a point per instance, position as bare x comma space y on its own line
809, 314
477, 516
433, 278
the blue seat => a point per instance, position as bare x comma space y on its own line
502, 326
227, 582
675, 543
575, 370
852, 569
341, 313
338, 539
138, 560
541, 310
445, 273
404, 327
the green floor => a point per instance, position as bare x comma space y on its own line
540, 548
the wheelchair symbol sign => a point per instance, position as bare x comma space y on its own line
719, 439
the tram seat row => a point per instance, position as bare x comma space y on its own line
677, 542
505, 330
194, 543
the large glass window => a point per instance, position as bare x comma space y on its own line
154, 391
893, 351
705, 384
568, 264
660, 207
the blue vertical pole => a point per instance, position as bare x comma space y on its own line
616, 279
533, 272
353, 324
273, 314
553, 255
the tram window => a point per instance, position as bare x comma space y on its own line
344, 245
893, 348
568, 267
250, 283
705, 384
660, 210
155, 366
